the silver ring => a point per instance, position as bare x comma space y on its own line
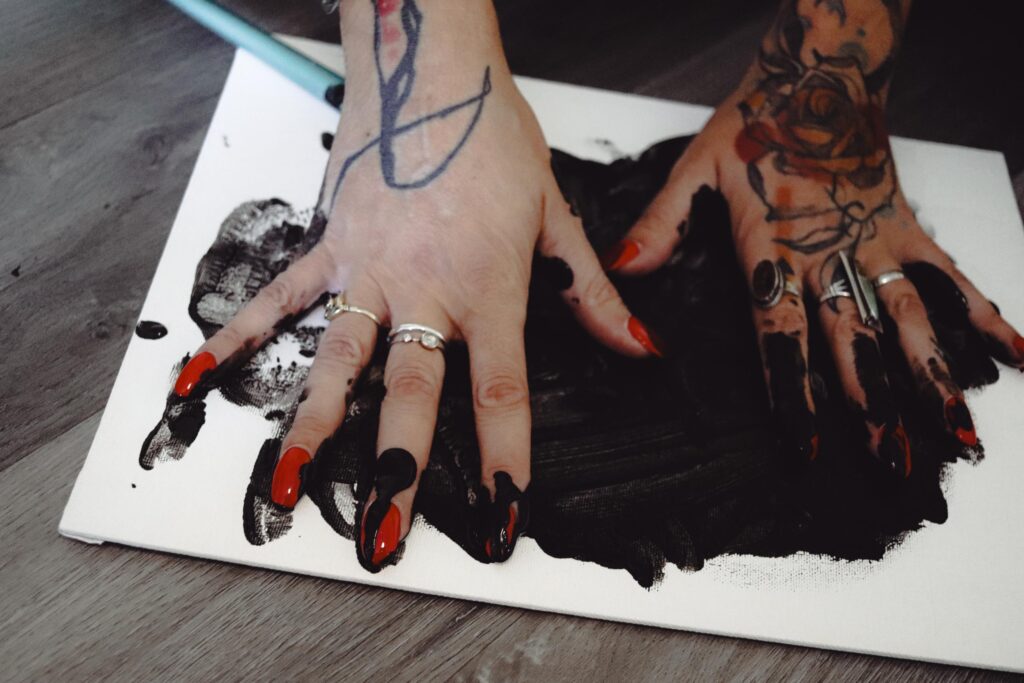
769, 282
427, 337
336, 305
887, 277
849, 281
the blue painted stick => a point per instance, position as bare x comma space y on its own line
295, 66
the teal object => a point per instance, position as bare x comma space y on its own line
304, 72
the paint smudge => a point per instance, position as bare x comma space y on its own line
636, 463
150, 329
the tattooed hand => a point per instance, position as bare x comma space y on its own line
801, 153
438, 191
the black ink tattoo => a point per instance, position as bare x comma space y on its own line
394, 91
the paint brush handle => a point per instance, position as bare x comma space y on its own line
304, 72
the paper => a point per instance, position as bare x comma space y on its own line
949, 593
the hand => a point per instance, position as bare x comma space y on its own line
801, 153
438, 191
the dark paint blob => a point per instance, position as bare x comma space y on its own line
554, 271
327, 140
635, 463
787, 373
17, 271
148, 329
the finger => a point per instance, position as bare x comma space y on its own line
656, 233
569, 263
413, 377
858, 360
501, 405
918, 341
781, 323
290, 293
345, 349
1005, 341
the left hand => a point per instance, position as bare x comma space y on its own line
801, 153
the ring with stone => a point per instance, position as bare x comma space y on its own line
336, 305
427, 337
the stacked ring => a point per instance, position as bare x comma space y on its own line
427, 337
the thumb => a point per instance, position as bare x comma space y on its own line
654, 236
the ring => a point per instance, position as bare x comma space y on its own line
427, 337
849, 282
887, 277
769, 282
336, 305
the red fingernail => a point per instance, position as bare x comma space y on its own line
508, 539
386, 540
958, 417
647, 339
620, 254
1018, 346
814, 448
284, 489
193, 373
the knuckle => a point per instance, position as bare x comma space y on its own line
280, 297
311, 426
500, 391
343, 349
411, 382
906, 305
600, 292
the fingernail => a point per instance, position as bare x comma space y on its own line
813, 455
509, 515
385, 537
287, 482
894, 450
958, 417
1018, 346
381, 529
193, 373
645, 337
619, 254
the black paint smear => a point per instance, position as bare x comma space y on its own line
17, 271
554, 270
177, 429
635, 463
327, 140
262, 521
393, 472
148, 329
867, 359
787, 372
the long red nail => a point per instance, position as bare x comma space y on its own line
894, 449
958, 417
284, 489
647, 339
386, 540
502, 547
620, 254
814, 448
193, 373
1018, 346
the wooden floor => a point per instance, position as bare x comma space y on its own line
103, 107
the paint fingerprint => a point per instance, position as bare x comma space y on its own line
636, 463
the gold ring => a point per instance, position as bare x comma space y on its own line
336, 305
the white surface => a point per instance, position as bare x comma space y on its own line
950, 593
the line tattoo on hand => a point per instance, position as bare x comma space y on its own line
394, 90
819, 117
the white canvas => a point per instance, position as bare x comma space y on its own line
949, 593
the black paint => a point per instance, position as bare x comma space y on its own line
17, 271
508, 500
634, 464
787, 373
393, 472
554, 271
149, 329
327, 140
